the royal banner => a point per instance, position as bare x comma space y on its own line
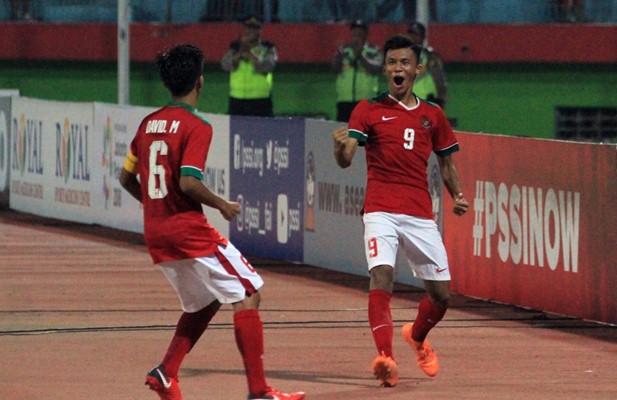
52, 159
540, 231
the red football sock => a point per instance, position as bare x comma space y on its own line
249, 332
429, 315
189, 329
380, 320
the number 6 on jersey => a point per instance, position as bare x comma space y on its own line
157, 147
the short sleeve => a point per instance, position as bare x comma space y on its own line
196, 150
444, 141
358, 125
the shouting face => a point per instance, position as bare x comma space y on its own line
401, 67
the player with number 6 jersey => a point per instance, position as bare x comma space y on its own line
168, 154
399, 132
173, 142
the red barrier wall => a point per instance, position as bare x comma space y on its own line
541, 230
314, 43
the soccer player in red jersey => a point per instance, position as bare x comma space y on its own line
168, 154
399, 131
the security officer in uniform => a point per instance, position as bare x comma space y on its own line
250, 61
431, 83
358, 66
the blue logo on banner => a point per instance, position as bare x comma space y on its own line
267, 179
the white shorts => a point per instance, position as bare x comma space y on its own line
419, 238
225, 276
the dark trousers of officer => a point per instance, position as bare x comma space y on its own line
344, 109
252, 107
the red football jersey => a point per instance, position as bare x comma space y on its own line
171, 142
398, 141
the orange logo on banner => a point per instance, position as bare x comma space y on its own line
309, 222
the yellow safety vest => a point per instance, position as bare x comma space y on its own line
353, 83
424, 85
246, 83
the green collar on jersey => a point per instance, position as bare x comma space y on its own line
181, 104
188, 108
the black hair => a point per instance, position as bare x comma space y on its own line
180, 67
401, 42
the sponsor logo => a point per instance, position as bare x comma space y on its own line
309, 219
215, 179
271, 156
247, 156
72, 151
282, 216
166, 382
27, 146
107, 161
340, 199
384, 118
527, 225
250, 218
379, 326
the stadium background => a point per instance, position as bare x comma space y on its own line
73, 320
510, 63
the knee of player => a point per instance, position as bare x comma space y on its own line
250, 302
440, 298
382, 277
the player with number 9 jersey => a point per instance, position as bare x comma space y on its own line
399, 132
172, 142
399, 140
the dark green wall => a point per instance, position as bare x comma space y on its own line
512, 99
520, 99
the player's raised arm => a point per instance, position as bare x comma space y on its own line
344, 147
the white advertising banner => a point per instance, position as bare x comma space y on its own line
114, 128
333, 236
52, 159
5, 129
216, 174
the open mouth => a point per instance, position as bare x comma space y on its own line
399, 80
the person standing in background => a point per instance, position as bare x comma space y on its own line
250, 62
357, 66
431, 83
